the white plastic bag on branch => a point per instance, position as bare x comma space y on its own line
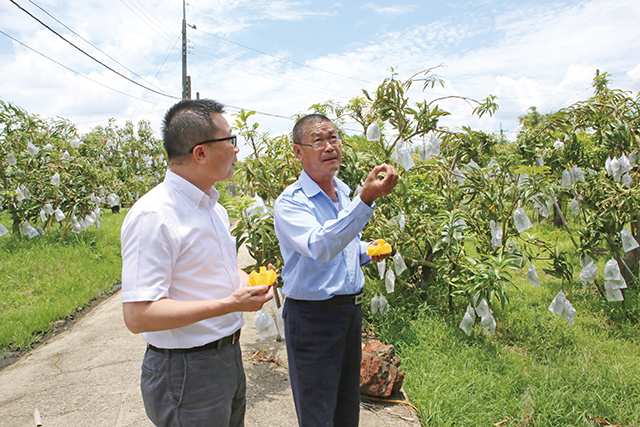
625, 165
20, 194
558, 145
543, 206
562, 307
626, 180
567, 179
539, 161
373, 132
40, 231
375, 304
76, 143
265, 326
390, 281
32, 149
59, 215
521, 220
256, 207
558, 303
48, 209
472, 165
612, 271
496, 234
614, 281
25, 192
401, 221
89, 221
66, 156
403, 155
429, 149
28, 230
467, 321
628, 242
486, 317
457, 174
398, 263
381, 267
488, 324
569, 313
3, 230
113, 200
11, 159
575, 206
577, 175
523, 180
55, 179
588, 274
383, 305
532, 276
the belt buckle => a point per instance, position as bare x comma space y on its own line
358, 299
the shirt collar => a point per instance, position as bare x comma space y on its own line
311, 188
193, 193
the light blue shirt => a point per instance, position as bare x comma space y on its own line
321, 244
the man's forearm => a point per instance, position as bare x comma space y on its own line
165, 314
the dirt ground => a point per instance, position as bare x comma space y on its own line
88, 375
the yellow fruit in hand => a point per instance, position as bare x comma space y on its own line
382, 248
265, 277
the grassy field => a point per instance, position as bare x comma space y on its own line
46, 279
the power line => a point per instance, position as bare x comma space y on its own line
153, 16
96, 60
96, 47
145, 21
75, 72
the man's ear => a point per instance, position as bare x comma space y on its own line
199, 154
297, 150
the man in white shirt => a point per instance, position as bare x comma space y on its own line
181, 286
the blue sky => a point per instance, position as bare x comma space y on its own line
280, 57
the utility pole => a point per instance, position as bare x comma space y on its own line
186, 80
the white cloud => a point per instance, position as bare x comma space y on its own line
395, 10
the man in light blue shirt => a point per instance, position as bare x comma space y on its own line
318, 228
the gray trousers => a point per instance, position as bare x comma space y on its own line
194, 389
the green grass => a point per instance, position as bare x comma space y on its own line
46, 279
535, 370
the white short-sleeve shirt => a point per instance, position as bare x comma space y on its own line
176, 244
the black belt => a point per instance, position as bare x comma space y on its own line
336, 300
214, 345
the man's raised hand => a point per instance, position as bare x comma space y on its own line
375, 187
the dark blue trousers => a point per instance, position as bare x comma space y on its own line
324, 349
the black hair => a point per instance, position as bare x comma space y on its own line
186, 123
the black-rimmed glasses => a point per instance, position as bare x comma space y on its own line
321, 144
233, 139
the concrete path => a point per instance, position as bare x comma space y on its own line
89, 376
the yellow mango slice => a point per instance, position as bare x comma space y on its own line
382, 248
265, 277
